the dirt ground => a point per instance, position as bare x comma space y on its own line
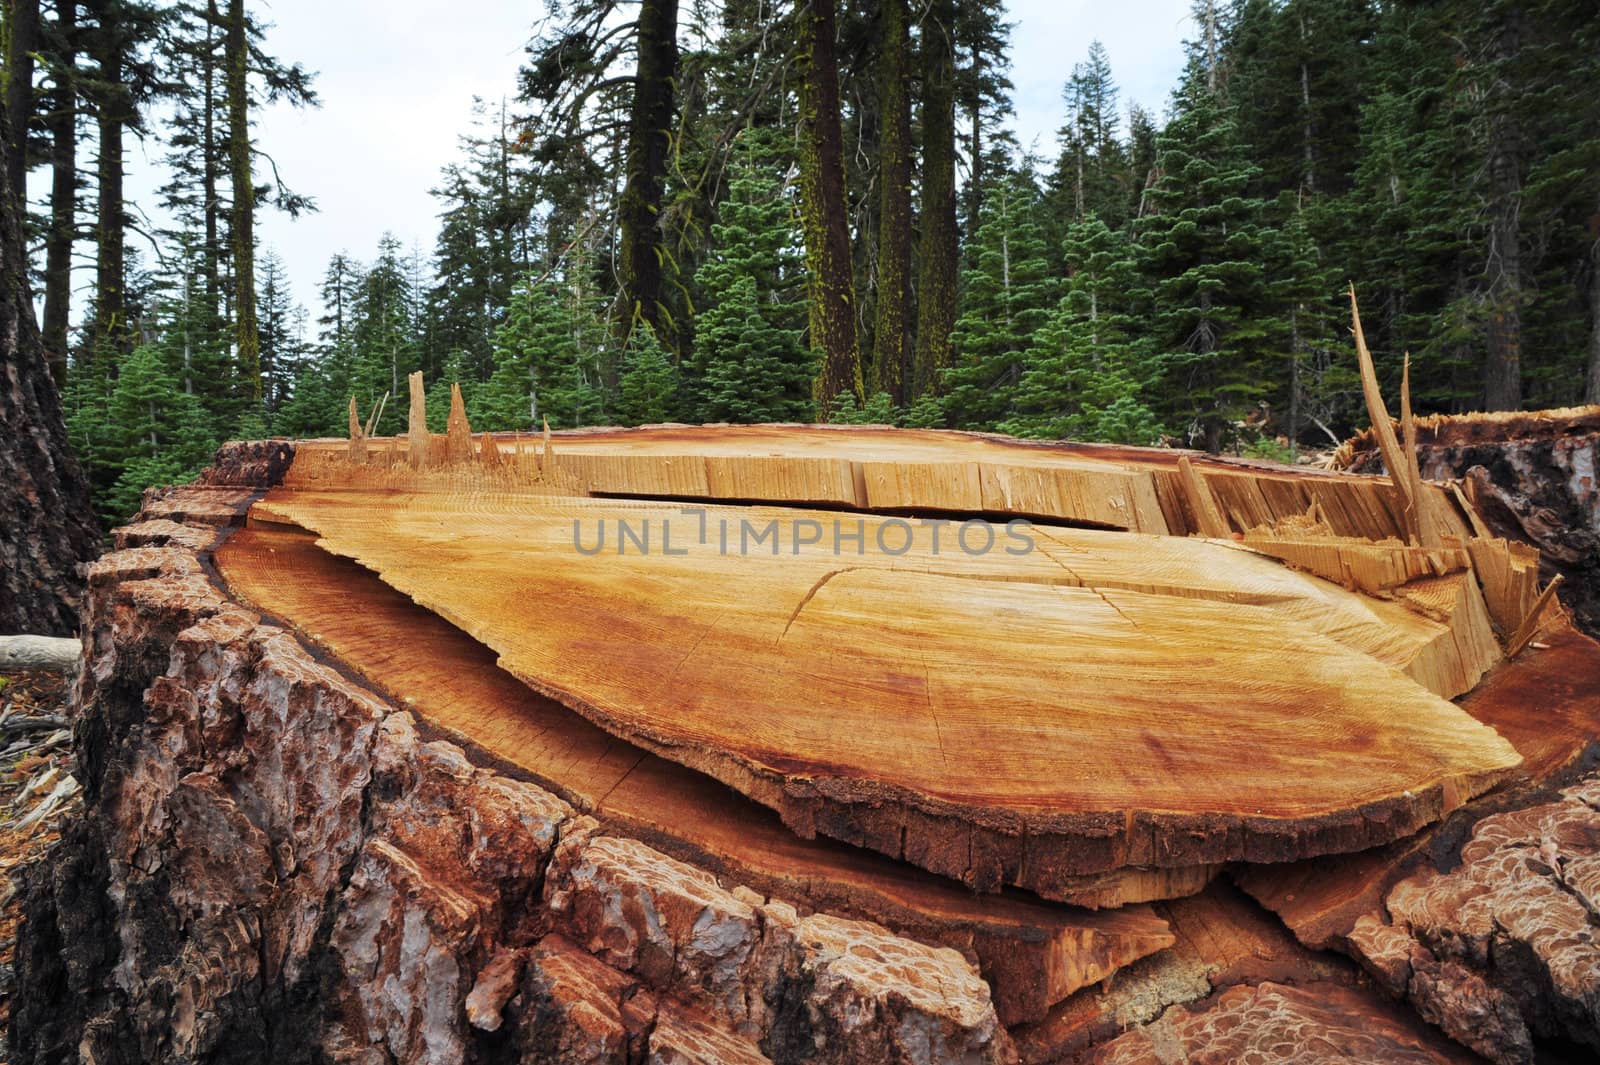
36, 790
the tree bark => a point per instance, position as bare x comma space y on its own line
46, 525
938, 244
649, 137
22, 40
1502, 366
246, 333
1592, 392
211, 209
823, 207
63, 127
892, 343
108, 329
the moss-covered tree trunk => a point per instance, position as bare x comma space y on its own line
822, 209
21, 31
892, 337
63, 128
649, 141
938, 245
109, 332
46, 524
247, 336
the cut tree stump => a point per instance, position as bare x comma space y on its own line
1024, 718
1034, 955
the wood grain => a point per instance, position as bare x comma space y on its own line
1106, 700
1033, 954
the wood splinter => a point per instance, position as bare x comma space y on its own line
1530, 625
1383, 426
1212, 523
417, 430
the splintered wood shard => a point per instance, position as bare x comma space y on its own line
1205, 505
417, 438
358, 440
1382, 425
458, 434
1093, 701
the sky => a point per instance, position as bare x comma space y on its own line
397, 78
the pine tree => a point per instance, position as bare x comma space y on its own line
1006, 296
649, 382
750, 360
1088, 367
1203, 251
546, 364
157, 433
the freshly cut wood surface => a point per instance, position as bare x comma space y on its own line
1002, 719
1546, 702
929, 471
1033, 954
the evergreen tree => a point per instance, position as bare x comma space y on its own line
649, 382
1088, 367
751, 364
546, 364
157, 433
1006, 296
1204, 250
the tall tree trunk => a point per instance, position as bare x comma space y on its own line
21, 41
211, 209
823, 207
1591, 394
975, 170
108, 330
649, 137
247, 335
938, 243
892, 337
46, 525
1502, 366
63, 127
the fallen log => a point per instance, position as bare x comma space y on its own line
57, 654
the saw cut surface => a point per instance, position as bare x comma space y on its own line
1034, 954
1103, 700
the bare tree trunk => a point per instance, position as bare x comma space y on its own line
63, 126
649, 138
1591, 394
938, 244
892, 337
46, 525
1502, 365
247, 335
108, 331
823, 209
22, 40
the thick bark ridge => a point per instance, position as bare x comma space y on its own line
823, 210
937, 246
46, 525
649, 139
892, 338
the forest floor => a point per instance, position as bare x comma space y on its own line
37, 790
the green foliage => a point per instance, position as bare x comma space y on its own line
1006, 295
751, 361
546, 364
879, 409
154, 432
1087, 369
649, 390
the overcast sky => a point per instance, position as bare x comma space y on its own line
397, 78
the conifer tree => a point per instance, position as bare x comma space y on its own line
546, 364
1007, 294
1203, 250
752, 364
649, 381
156, 432
1088, 366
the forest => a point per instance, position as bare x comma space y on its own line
815, 211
